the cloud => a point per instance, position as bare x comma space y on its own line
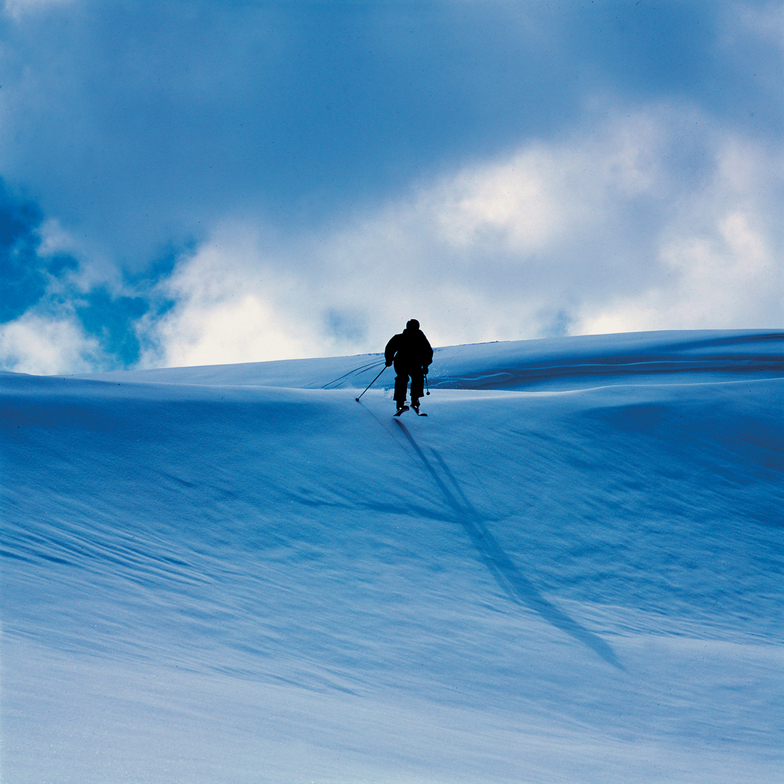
721, 255
48, 296
139, 125
232, 303
43, 345
244, 181
646, 221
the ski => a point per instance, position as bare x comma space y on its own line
406, 408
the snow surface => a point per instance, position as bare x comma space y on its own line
571, 571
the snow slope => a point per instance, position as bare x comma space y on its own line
571, 571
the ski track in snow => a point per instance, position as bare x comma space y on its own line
570, 572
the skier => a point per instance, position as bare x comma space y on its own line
412, 354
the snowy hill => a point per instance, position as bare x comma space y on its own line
571, 571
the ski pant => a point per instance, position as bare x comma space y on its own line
401, 382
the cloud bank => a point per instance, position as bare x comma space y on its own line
503, 172
598, 234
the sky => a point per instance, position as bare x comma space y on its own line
189, 183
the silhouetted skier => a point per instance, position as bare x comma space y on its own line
412, 354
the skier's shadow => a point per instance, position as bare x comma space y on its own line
508, 576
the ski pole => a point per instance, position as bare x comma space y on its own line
371, 383
427, 386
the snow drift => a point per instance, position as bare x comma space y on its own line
571, 571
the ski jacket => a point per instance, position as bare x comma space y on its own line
410, 349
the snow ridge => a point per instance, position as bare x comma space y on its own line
570, 571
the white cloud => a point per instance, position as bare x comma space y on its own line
541, 195
55, 239
613, 212
721, 253
42, 345
599, 233
231, 307
603, 232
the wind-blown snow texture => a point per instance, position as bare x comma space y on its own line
571, 571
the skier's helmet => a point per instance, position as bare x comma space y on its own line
412, 324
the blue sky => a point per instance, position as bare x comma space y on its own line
201, 182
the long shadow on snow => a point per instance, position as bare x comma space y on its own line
507, 575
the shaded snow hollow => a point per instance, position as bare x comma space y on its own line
571, 571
